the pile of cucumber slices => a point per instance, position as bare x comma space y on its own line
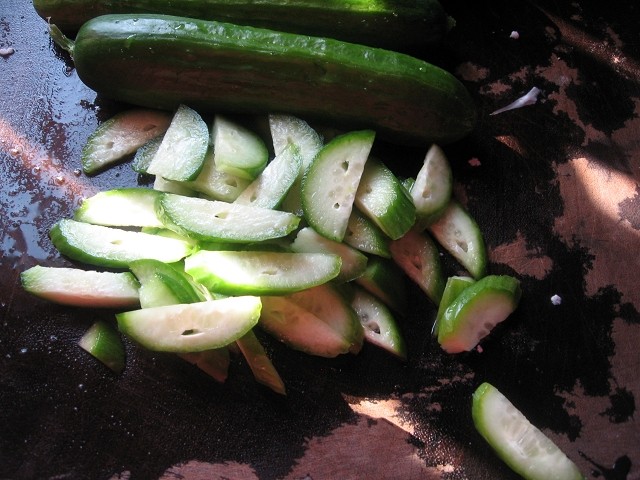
309, 239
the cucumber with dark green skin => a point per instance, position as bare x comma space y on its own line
394, 24
163, 61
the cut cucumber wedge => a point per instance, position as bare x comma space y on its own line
103, 342
216, 184
263, 369
521, 445
384, 279
454, 287
366, 236
171, 186
120, 136
120, 207
181, 154
144, 155
212, 220
81, 288
330, 183
458, 233
237, 150
113, 247
476, 310
191, 327
382, 198
214, 363
261, 273
417, 255
433, 186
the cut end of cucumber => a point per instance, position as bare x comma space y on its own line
103, 342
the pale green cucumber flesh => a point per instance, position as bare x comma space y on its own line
191, 327
384, 279
454, 287
103, 342
216, 184
366, 236
120, 207
120, 136
171, 186
81, 288
237, 150
261, 365
382, 198
181, 153
261, 273
431, 192
330, 183
520, 444
286, 129
476, 310
144, 155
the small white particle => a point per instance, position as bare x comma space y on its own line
556, 300
7, 51
530, 98
515, 35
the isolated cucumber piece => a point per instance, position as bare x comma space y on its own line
214, 362
458, 233
431, 192
382, 198
216, 184
103, 342
269, 189
476, 310
330, 183
237, 150
366, 236
454, 287
120, 136
120, 207
113, 247
263, 369
81, 288
418, 256
380, 327
191, 327
354, 262
384, 279
183, 148
261, 273
521, 445
212, 220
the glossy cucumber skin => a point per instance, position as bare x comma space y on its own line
162, 61
394, 24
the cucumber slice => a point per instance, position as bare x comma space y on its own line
81, 288
181, 154
261, 273
458, 233
366, 236
237, 150
214, 363
521, 445
330, 306
330, 183
103, 342
454, 287
380, 327
263, 369
384, 279
216, 184
300, 329
476, 310
191, 327
120, 136
113, 247
354, 262
383, 199
163, 284
417, 255
269, 189
120, 207
432, 189
170, 186
144, 155
212, 220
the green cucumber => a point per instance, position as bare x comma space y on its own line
162, 61
216, 184
384, 279
212, 220
81, 288
144, 155
520, 444
103, 342
120, 136
171, 186
237, 150
454, 287
433, 187
261, 366
391, 24
113, 247
191, 327
366, 236
120, 207
330, 183
261, 273
476, 310
382, 198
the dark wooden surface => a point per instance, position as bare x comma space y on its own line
554, 187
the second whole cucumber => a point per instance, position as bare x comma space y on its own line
161, 61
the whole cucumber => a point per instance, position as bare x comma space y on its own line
163, 61
393, 24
